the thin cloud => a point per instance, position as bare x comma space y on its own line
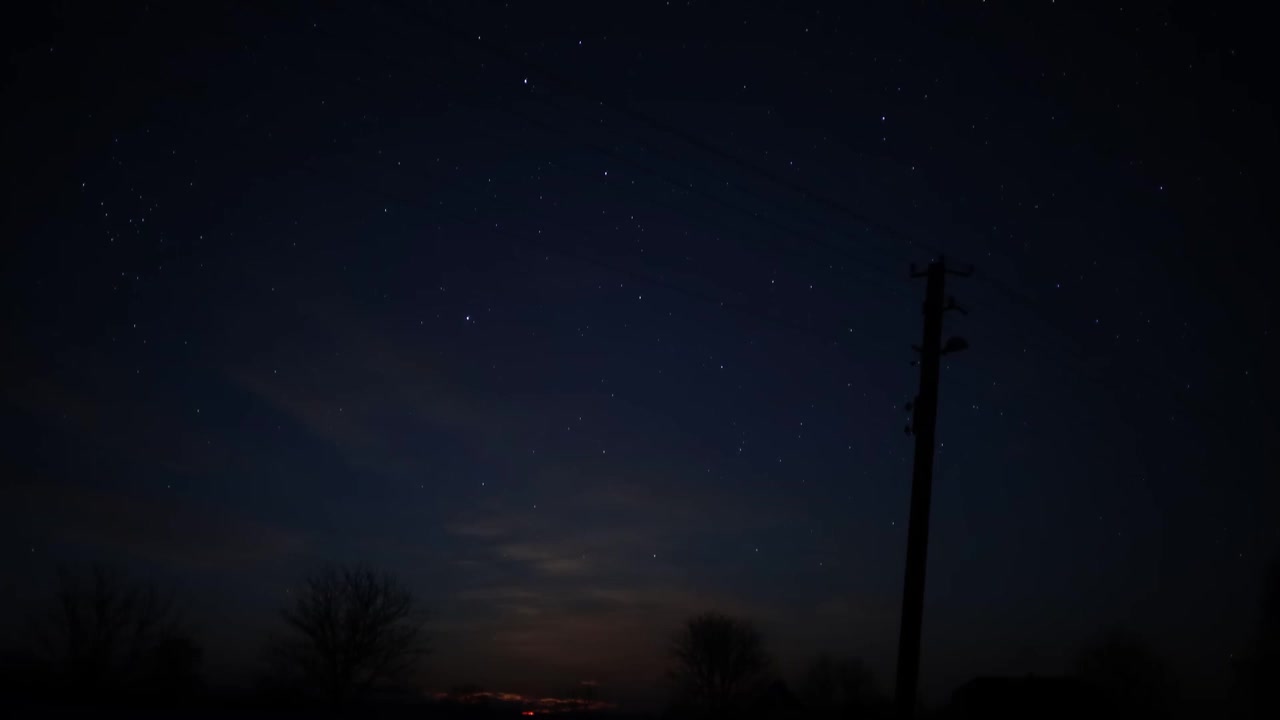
115, 523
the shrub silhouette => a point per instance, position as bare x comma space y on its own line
838, 687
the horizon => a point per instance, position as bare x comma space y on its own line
580, 321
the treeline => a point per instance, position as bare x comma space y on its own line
103, 639
353, 637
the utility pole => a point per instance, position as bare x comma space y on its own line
924, 420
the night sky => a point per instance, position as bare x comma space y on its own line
583, 319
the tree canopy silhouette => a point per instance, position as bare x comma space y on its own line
719, 664
1125, 671
838, 687
352, 629
104, 635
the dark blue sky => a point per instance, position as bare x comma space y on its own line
586, 318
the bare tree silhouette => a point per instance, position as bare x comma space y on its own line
352, 629
105, 634
719, 664
838, 687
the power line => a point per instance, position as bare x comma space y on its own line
742, 308
653, 123
441, 28
414, 66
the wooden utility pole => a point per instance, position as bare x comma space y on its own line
924, 420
